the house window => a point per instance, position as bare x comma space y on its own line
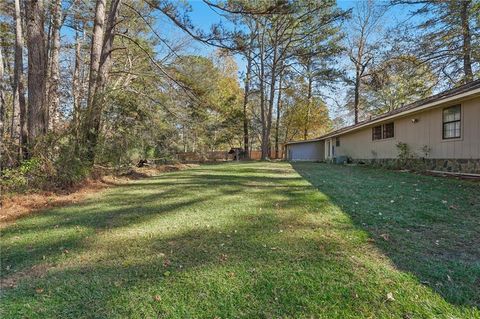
337, 143
377, 133
388, 130
383, 131
451, 122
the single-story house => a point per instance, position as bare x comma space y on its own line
441, 132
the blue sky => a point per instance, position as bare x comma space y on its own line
203, 17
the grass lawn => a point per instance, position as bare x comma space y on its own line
253, 240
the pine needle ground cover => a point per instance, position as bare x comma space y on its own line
252, 240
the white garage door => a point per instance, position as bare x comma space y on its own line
311, 151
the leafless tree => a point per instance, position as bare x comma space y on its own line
53, 98
100, 64
362, 43
18, 126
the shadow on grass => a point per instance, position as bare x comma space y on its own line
243, 252
188, 269
219, 241
426, 225
69, 228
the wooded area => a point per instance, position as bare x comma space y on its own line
99, 82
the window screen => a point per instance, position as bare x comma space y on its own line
388, 130
451, 122
377, 133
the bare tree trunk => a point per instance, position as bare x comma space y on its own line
357, 95
2, 100
76, 86
467, 47
99, 73
95, 56
245, 103
54, 68
96, 48
279, 105
37, 108
184, 139
309, 105
19, 102
271, 100
109, 36
264, 140
19, 129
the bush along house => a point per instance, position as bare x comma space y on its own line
439, 133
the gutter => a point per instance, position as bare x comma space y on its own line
305, 141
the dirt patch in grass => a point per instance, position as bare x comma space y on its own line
12, 280
16, 206
149, 171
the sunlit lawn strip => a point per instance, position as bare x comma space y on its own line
253, 240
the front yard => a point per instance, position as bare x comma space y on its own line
252, 240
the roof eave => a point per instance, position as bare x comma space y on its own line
303, 141
469, 94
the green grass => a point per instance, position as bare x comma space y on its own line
253, 240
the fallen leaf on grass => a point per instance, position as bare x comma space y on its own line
38, 290
157, 298
390, 297
385, 237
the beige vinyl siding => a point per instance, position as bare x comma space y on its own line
427, 131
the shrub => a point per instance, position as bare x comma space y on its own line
55, 165
69, 168
23, 177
